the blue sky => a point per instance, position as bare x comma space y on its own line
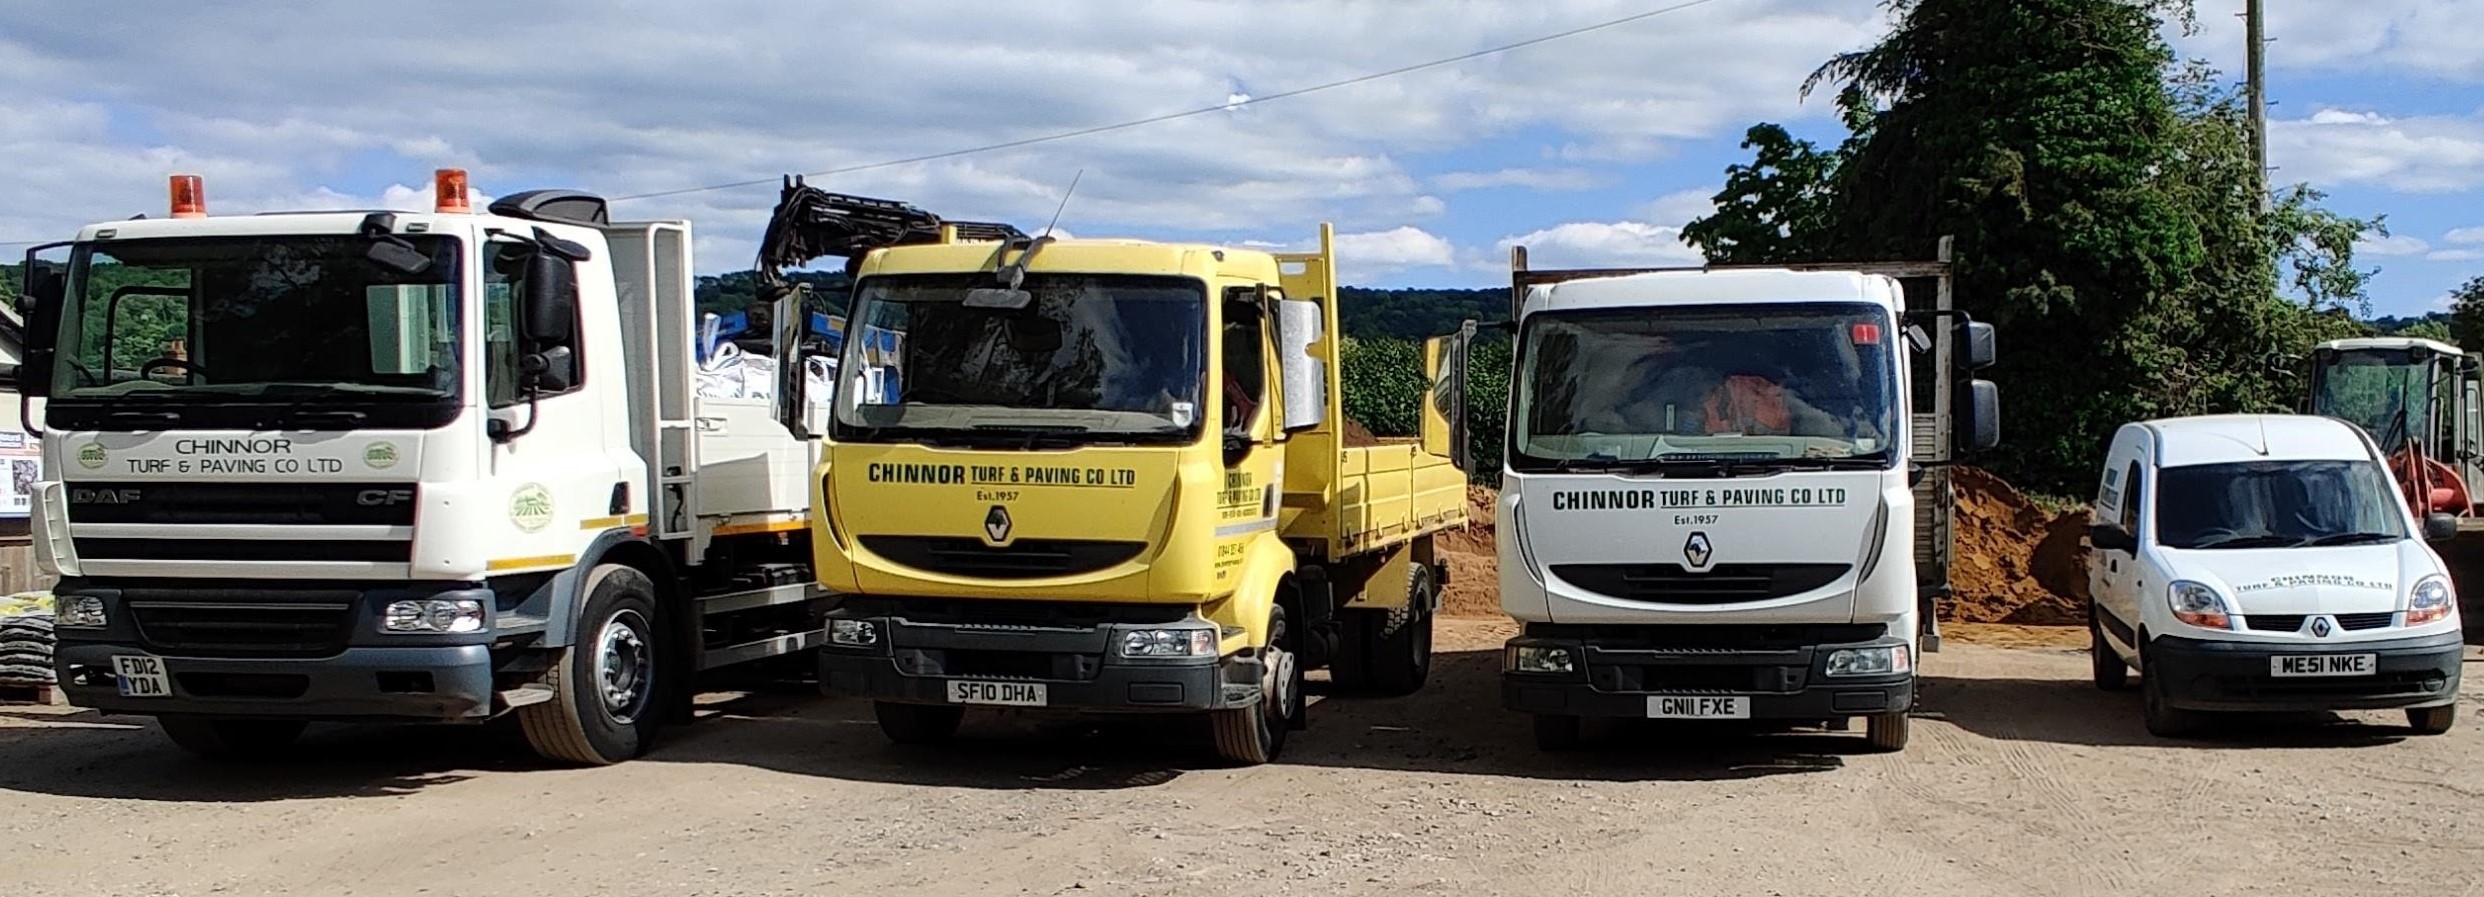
1591, 150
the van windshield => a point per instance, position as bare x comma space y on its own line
2277, 504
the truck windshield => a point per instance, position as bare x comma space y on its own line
2387, 393
1091, 357
199, 318
1808, 382
2277, 504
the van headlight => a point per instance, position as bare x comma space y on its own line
2430, 602
2198, 605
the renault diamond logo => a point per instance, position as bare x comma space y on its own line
2320, 627
1697, 551
996, 525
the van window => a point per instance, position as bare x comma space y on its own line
2276, 504
2130, 500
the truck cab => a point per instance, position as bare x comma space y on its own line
2265, 563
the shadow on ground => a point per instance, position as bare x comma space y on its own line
2063, 711
88, 754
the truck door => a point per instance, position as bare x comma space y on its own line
1248, 425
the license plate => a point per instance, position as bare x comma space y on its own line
141, 676
1698, 707
2323, 665
1008, 694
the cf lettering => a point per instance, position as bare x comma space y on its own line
371, 498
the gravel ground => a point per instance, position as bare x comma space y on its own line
2021, 780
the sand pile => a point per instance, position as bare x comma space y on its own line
2014, 563
1474, 564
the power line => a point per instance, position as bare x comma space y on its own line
1170, 116
1186, 113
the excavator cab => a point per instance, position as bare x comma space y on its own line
2419, 399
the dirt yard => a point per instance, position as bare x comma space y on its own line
2021, 780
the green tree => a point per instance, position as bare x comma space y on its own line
1777, 208
2466, 317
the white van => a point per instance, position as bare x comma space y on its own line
2267, 563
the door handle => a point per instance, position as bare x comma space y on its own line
710, 424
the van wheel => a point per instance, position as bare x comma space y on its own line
1886, 732
2164, 720
231, 739
2432, 720
2109, 673
1555, 732
917, 723
604, 706
1256, 734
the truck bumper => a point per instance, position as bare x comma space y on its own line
436, 684
1079, 667
2200, 674
277, 650
1627, 677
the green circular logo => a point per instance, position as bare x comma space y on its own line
380, 455
531, 508
91, 455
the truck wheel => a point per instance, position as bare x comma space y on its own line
917, 723
2164, 720
2109, 673
1255, 734
231, 739
1401, 660
2432, 720
604, 687
1886, 732
1554, 732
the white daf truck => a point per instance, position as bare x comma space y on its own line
431, 467
1709, 494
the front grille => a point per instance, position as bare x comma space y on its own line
1675, 584
2294, 622
2387, 684
1023, 559
1671, 678
279, 503
308, 623
393, 551
2359, 622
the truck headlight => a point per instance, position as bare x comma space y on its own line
853, 633
433, 616
80, 612
1541, 659
2198, 605
1879, 661
1169, 643
2430, 602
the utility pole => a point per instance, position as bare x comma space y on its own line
2255, 34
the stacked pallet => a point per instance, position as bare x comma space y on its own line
26, 646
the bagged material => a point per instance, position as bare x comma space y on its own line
26, 639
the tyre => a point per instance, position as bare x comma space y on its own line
1886, 732
2109, 672
1401, 658
231, 739
1554, 732
2432, 720
2163, 719
917, 723
1253, 735
604, 706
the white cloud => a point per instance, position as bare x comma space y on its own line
2396, 245
1605, 244
2455, 255
1681, 207
2422, 154
2465, 236
2422, 38
287, 103
1530, 178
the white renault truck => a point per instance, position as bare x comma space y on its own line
1709, 497
431, 467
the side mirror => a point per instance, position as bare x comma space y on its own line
1978, 428
793, 401
39, 300
1979, 346
553, 369
2439, 527
551, 298
1443, 421
1301, 325
2107, 537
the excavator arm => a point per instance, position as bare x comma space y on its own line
809, 223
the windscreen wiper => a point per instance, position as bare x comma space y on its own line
2265, 540
2347, 539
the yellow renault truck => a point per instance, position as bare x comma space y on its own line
1113, 476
